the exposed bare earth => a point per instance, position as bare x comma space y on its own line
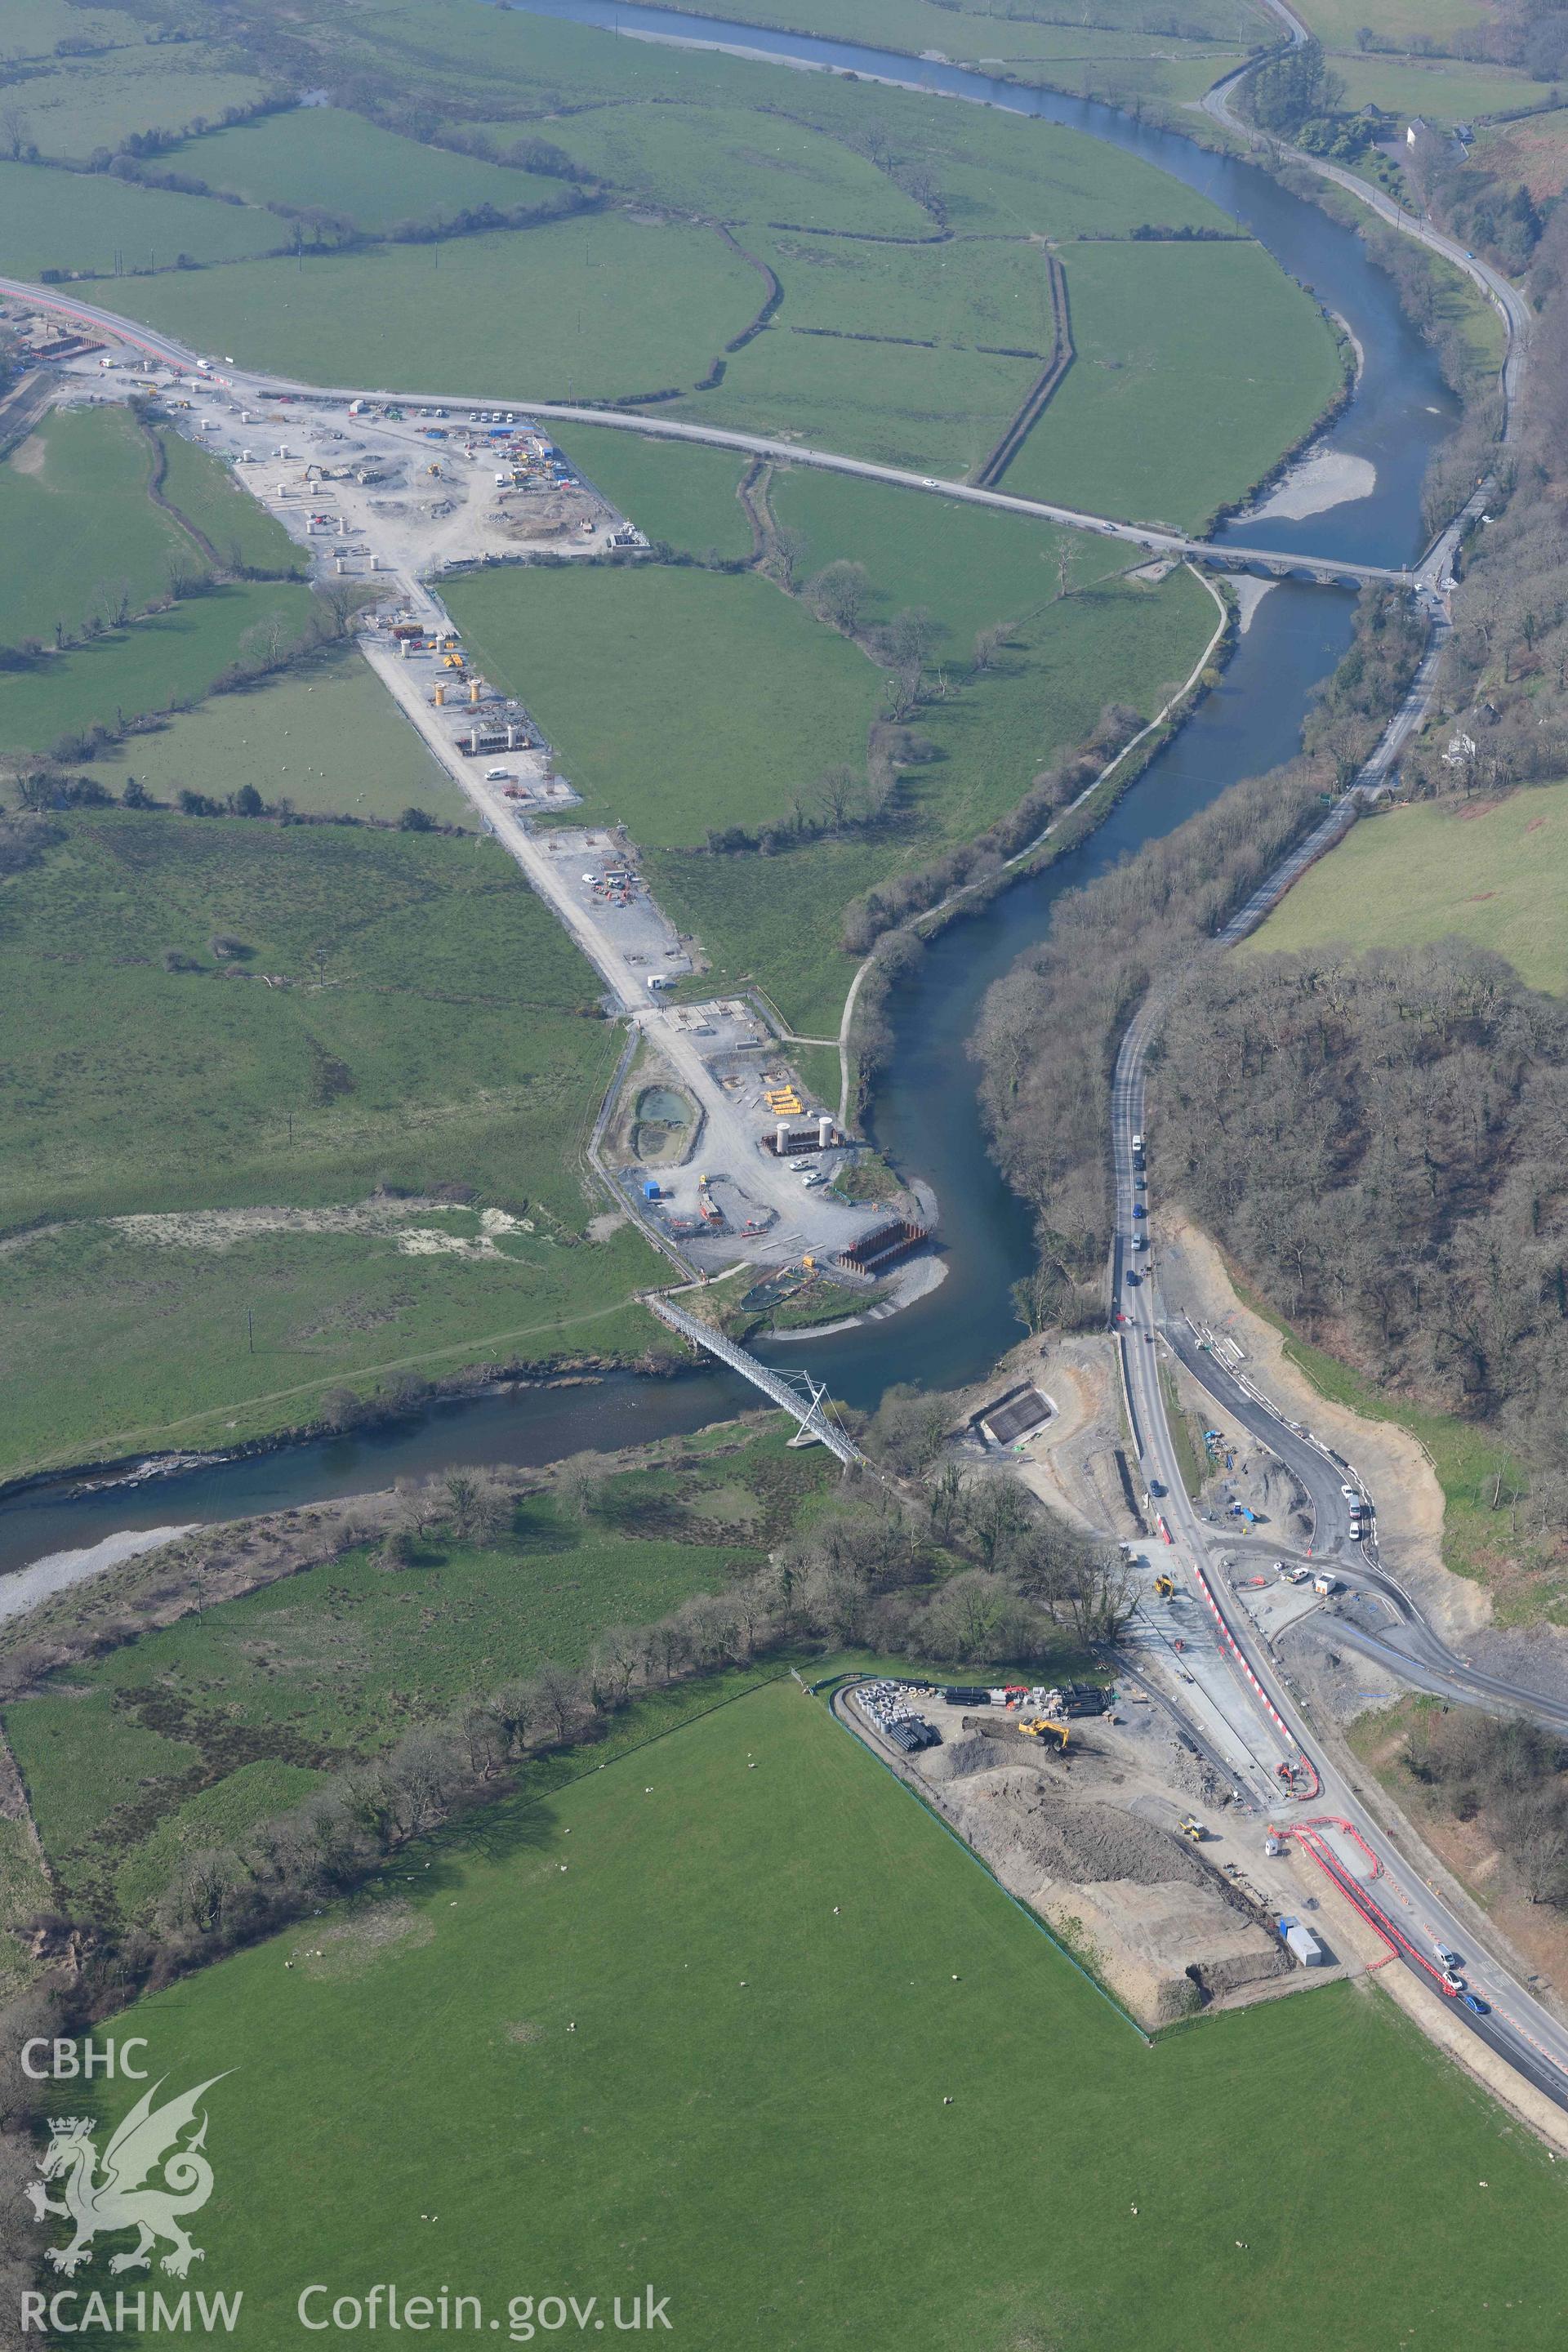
1163, 1930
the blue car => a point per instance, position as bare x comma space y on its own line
1139, 1210
1476, 2005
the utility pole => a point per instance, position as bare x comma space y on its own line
250, 1331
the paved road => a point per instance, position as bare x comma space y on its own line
1519, 2027
1150, 541
1504, 297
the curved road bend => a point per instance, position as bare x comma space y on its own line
1145, 537
1504, 297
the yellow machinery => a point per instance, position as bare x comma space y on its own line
452, 661
1164, 1586
1042, 1726
1193, 1828
451, 642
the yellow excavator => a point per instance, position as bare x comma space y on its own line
1164, 1586
1042, 1726
1193, 1828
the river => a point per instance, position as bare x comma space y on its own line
926, 1117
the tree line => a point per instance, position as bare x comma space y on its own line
949, 1563
1380, 1139
1503, 680
1050, 1028
1510, 1776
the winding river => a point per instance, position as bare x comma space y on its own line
926, 1114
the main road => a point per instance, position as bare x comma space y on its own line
258, 386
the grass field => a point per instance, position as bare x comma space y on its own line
446, 1000
169, 657
255, 1697
743, 166
777, 919
725, 701
781, 698
74, 496
208, 497
901, 353
968, 566
604, 307
326, 737
1491, 871
1336, 22
556, 61
1443, 91
430, 1035
145, 1344
95, 103
775, 1980
80, 220
30, 28
673, 490
322, 155
913, 313
1166, 335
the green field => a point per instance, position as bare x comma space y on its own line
96, 103
1446, 92
1138, 52
604, 306
673, 490
337, 1663
429, 1035
902, 353
1490, 871
904, 233
30, 28
741, 165
243, 534
798, 2015
323, 156
145, 1343
1336, 22
447, 1000
725, 700
326, 737
1167, 335
80, 220
153, 665
74, 496
967, 566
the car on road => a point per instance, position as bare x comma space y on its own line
1139, 1210
1476, 2005
1133, 1278
1351, 1493
1450, 1959
1453, 1982
927, 484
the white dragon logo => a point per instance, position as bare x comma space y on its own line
143, 2144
